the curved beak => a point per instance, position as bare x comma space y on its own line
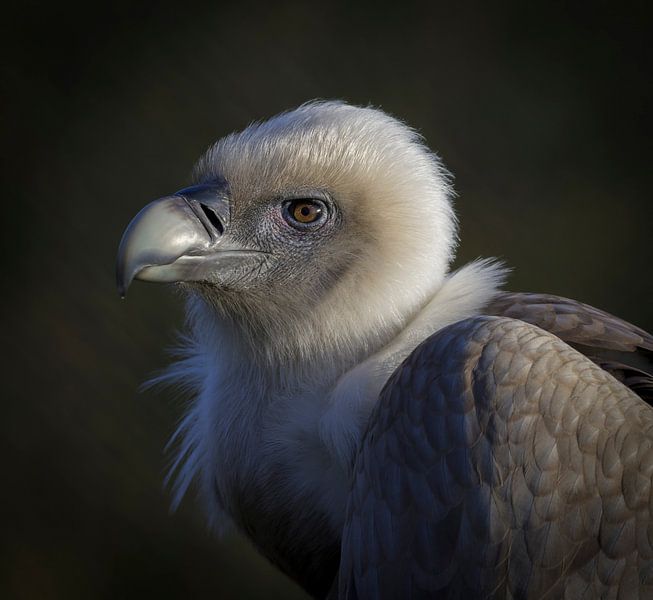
177, 238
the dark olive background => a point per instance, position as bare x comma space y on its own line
542, 111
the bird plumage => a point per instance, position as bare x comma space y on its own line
500, 462
294, 329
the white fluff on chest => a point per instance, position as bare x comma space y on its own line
290, 435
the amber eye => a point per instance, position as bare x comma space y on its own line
304, 212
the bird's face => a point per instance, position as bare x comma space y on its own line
228, 241
326, 205
299, 236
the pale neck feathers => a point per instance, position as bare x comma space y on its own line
252, 410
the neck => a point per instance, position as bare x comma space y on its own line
271, 442
463, 294
318, 395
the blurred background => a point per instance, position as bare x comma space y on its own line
541, 110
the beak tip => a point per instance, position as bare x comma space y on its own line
122, 285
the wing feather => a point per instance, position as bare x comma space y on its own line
500, 462
622, 349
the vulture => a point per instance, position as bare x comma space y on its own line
378, 425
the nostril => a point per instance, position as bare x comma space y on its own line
213, 218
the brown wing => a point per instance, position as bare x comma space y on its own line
501, 463
622, 349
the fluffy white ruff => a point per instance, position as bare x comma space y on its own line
463, 294
240, 426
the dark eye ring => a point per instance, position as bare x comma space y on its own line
304, 212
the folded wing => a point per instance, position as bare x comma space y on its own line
622, 349
501, 462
